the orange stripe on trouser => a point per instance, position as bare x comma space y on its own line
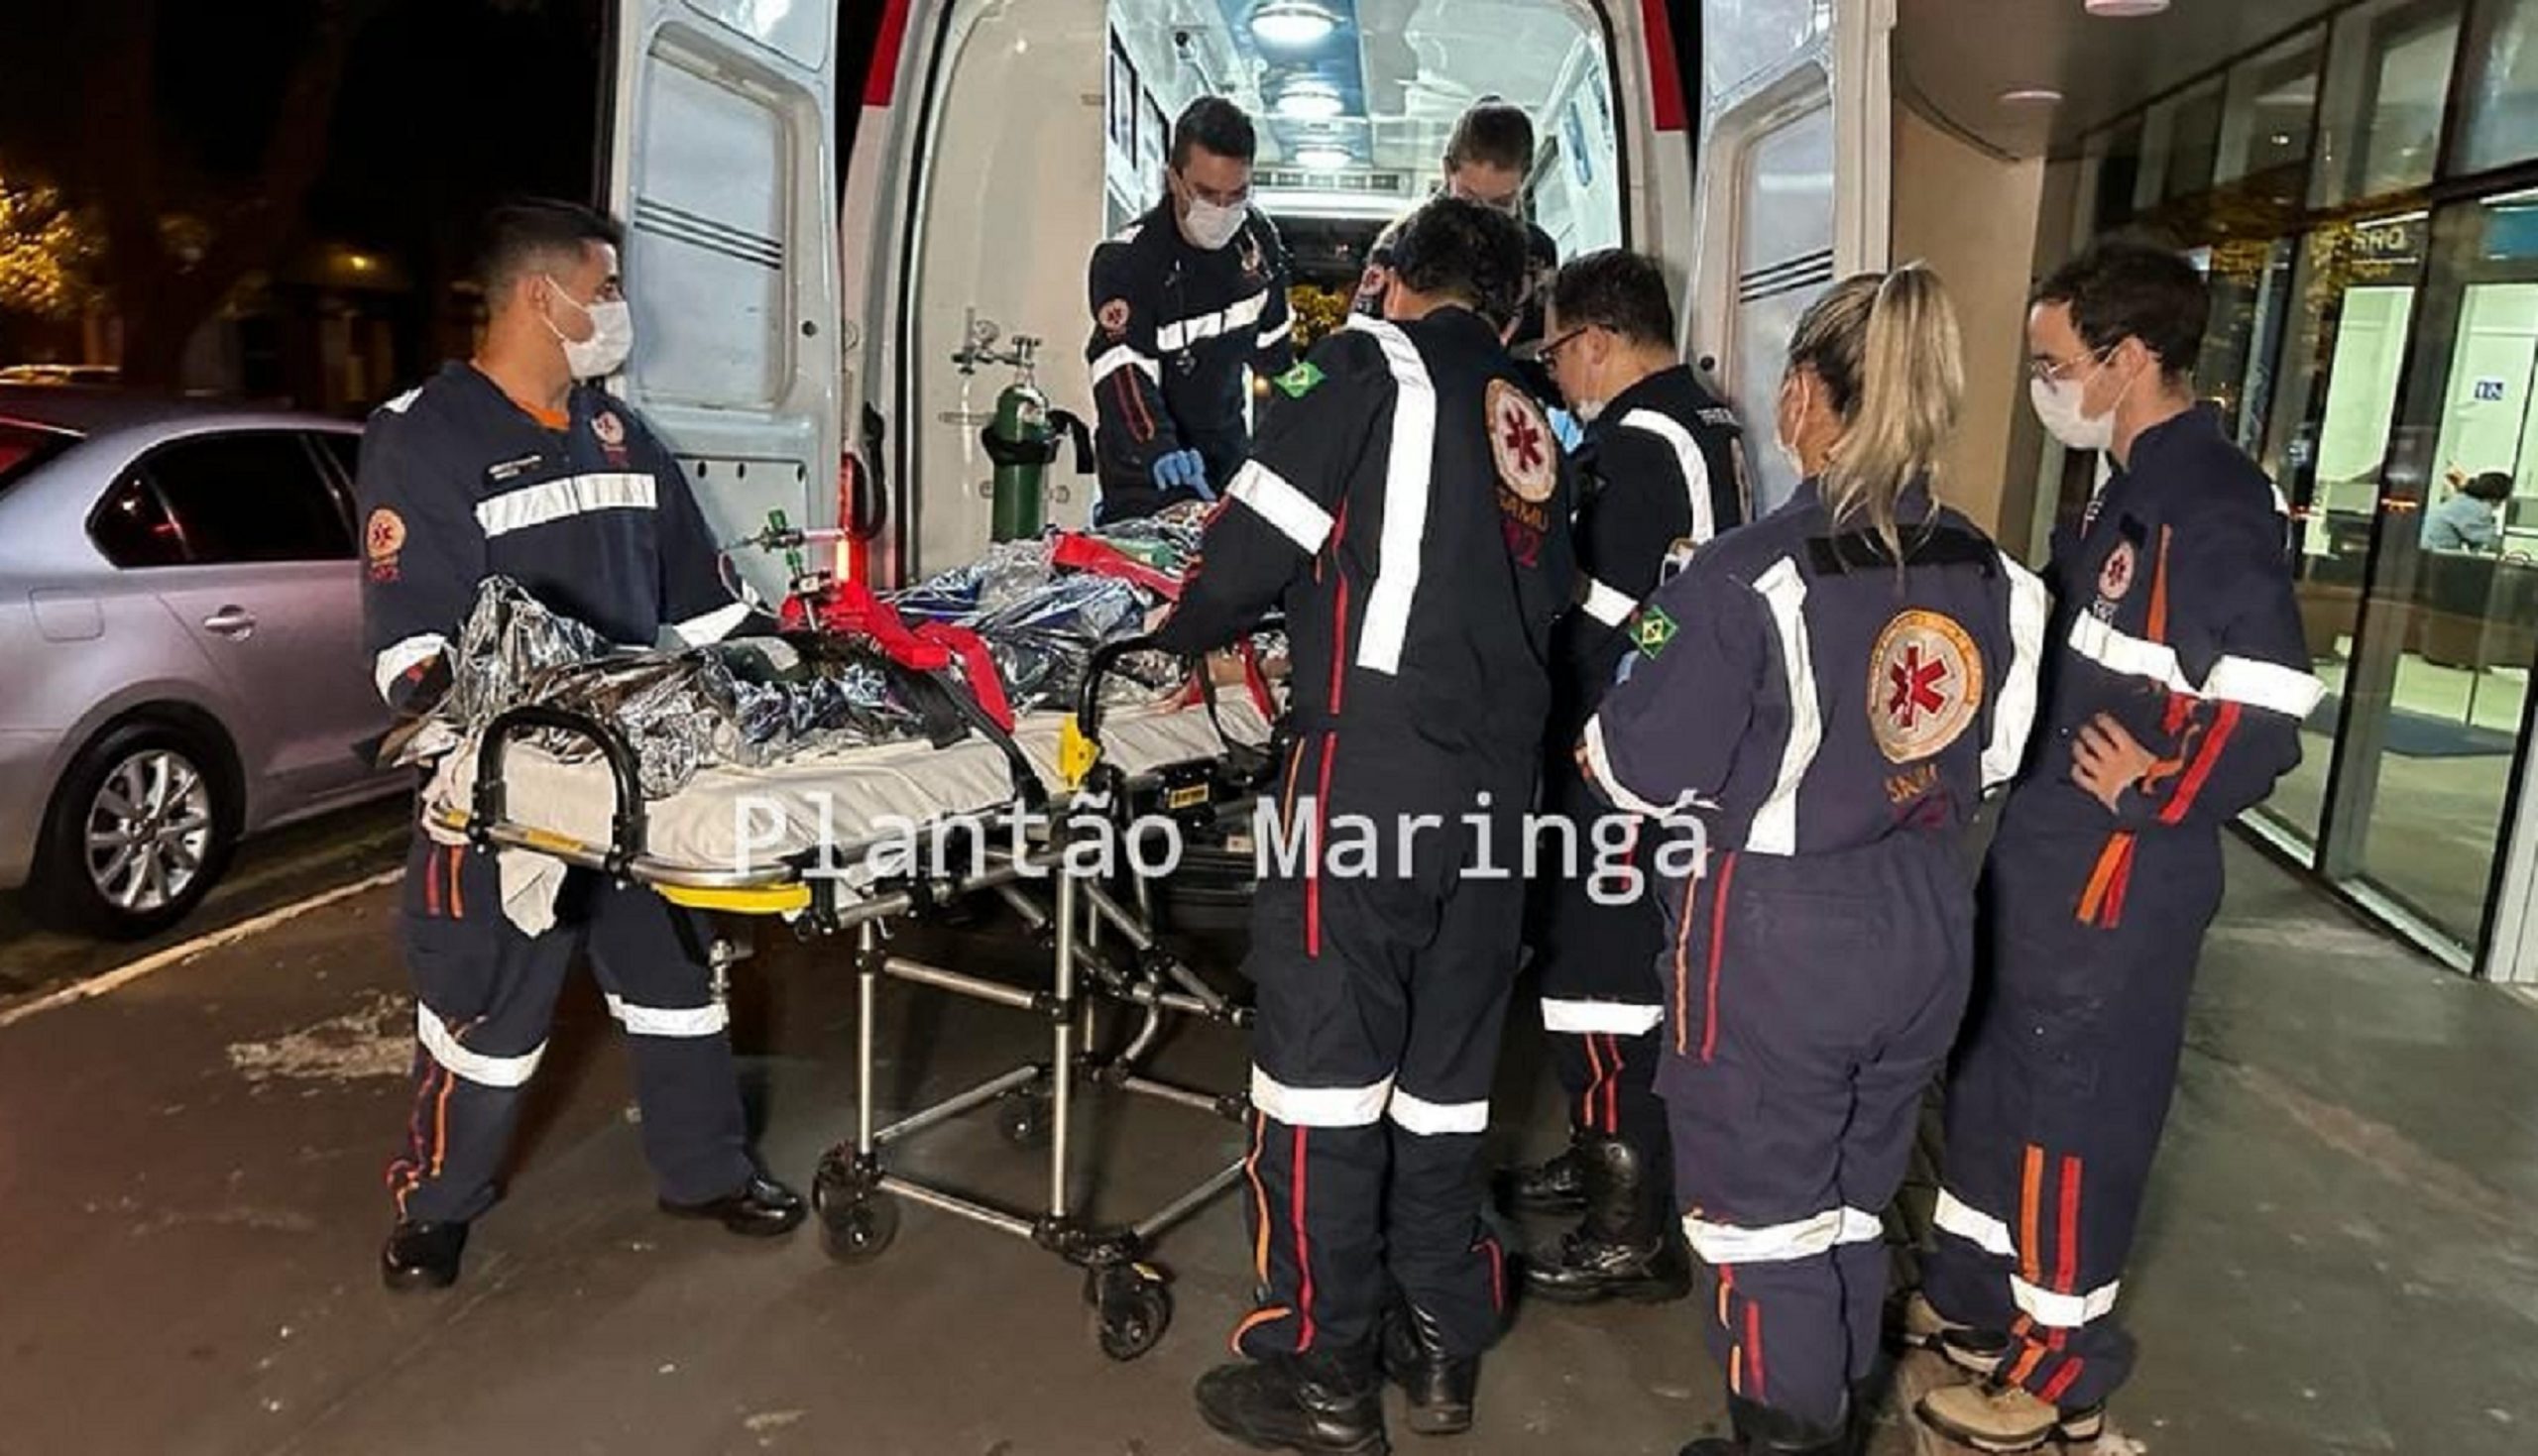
1304, 1251
1718, 954
2102, 901
1682, 971
1594, 1080
1613, 1088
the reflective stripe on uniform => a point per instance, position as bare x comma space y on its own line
1775, 830
2014, 712
1600, 767
1606, 605
574, 494
1437, 1119
2267, 685
1606, 1018
670, 1021
394, 659
2064, 1312
1320, 1106
1122, 356
1405, 482
1181, 333
1271, 338
1278, 501
1807, 1238
1954, 1215
477, 1066
1688, 457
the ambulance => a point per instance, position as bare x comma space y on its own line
852, 227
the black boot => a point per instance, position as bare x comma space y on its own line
1439, 1386
1556, 1184
423, 1256
1321, 1400
1763, 1431
1627, 1248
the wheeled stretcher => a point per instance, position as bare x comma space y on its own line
999, 812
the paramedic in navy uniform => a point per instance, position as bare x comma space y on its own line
1410, 509
1834, 688
1183, 301
1660, 472
518, 464
2178, 681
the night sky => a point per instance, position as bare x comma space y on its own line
424, 112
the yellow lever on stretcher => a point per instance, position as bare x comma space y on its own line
1076, 753
754, 900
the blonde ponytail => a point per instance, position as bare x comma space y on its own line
1889, 351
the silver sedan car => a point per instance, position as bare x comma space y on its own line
180, 658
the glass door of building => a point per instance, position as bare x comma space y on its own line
2432, 694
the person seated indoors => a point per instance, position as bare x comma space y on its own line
2470, 519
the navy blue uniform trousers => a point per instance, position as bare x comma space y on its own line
485, 993
1812, 1001
2062, 1092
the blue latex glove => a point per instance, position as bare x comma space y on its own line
1183, 470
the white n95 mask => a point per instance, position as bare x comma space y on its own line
2057, 405
1211, 226
611, 338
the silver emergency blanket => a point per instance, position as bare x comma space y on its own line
757, 701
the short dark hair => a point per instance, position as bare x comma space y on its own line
1216, 124
533, 236
2492, 486
2132, 288
1495, 134
1453, 249
1618, 290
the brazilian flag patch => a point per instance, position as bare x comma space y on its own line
1651, 630
1301, 379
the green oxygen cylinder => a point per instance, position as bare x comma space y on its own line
1022, 442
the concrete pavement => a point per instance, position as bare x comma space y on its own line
2339, 1256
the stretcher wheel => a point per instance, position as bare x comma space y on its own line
855, 1230
1133, 1307
1023, 1119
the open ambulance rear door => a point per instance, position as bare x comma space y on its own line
1796, 121
720, 161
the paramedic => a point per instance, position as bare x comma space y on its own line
1183, 301
1660, 472
2175, 692
1409, 509
1835, 687
518, 464
1488, 157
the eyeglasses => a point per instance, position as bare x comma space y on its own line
1548, 352
2054, 372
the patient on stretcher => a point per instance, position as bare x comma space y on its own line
1014, 631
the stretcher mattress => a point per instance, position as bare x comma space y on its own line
730, 818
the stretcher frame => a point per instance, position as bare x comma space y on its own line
855, 1193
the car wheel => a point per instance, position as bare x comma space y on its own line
140, 828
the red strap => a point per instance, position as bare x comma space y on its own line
978, 666
851, 607
1082, 553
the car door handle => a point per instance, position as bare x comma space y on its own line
230, 621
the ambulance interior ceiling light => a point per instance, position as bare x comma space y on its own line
1324, 157
2031, 96
2126, 9
1309, 99
1292, 25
